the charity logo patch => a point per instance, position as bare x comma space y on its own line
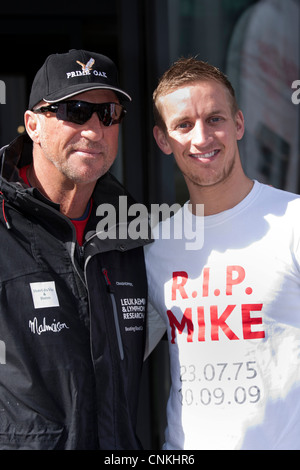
44, 294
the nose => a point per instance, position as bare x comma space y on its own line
93, 129
201, 134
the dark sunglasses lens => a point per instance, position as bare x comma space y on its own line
104, 114
110, 113
80, 112
74, 111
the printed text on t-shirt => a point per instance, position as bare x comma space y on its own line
234, 276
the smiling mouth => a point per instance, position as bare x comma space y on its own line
207, 155
88, 152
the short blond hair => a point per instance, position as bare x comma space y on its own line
183, 72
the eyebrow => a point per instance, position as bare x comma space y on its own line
216, 111
186, 117
179, 119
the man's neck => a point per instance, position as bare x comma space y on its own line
73, 198
220, 197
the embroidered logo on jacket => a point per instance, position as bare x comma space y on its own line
134, 309
43, 327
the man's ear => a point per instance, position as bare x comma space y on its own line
240, 125
161, 140
32, 125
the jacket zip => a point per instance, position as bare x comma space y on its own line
3, 212
115, 312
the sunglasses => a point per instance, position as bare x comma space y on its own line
80, 112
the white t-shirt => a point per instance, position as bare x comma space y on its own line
232, 314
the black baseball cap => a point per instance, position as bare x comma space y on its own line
65, 75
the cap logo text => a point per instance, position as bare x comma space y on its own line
86, 70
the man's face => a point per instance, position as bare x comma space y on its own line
82, 153
201, 132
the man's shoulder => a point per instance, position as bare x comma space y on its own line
278, 195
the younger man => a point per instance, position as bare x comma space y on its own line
231, 308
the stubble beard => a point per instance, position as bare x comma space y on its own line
209, 180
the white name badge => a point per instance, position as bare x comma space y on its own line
44, 294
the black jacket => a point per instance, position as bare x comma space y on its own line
71, 322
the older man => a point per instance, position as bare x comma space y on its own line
70, 361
